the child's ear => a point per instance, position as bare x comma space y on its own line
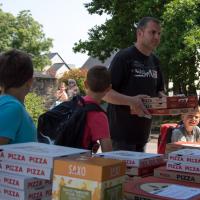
30, 82
109, 88
86, 84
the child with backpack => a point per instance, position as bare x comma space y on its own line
97, 83
189, 130
80, 122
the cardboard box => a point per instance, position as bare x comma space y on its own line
91, 178
35, 194
9, 198
135, 159
185, 155
137, 171
22, 182
170, 147
37, 154
183, 167
171, 111
27, 170
171, 102
152, 188
131, 178
174, 105
162, 172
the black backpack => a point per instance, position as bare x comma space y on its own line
64, 124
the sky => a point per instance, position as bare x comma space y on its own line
65, 21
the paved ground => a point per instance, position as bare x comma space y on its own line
152, 146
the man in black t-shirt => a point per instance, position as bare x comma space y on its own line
135, 74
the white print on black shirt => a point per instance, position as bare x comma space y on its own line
142, 71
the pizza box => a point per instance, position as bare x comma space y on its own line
185, 155
91, 178
171, 102
26, 170
184, 167
162, 172
170, 147
34, 194
135, 159
153, 188
138, 171
22, 182
37, 154
171, 111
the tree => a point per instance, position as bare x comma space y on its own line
34, 105
179, 49
180, 42
118, 31
24, 33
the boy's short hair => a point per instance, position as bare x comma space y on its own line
16, 68
98, 78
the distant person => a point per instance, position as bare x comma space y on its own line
135, 73
189, 130
72, 88
97, 85
16, 77
61, 94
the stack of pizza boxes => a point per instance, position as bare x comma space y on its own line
153, 188
26, 169
138, 164
182, 169
174, 105
85, 177
170, 147
182, 165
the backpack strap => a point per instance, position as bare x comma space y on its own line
93, 107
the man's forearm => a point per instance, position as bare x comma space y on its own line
115, 97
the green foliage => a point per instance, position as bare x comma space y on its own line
180, 42
77, 74
118, 31
34, 105
24, 33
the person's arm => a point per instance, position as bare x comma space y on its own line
106, 144
135, 102
162, 94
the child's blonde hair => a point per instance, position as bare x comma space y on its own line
195, 112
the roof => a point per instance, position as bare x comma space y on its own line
57, 66
91, 61
51, 55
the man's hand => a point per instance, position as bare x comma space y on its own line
161, 94
137, 107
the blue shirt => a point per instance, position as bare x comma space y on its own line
15, 122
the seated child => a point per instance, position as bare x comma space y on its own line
188, 131
97, 83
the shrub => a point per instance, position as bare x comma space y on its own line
77, 74
34, 105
